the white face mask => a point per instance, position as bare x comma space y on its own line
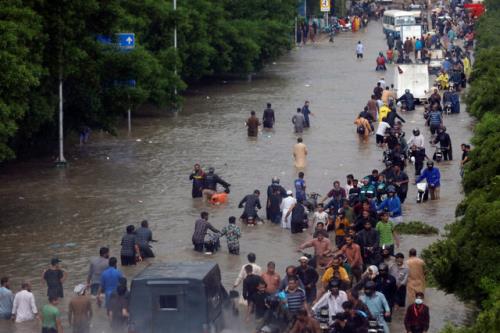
419, 301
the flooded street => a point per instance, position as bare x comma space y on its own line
115, 181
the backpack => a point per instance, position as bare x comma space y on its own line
360, 130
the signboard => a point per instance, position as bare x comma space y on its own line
410, 31
126, 40
325, 5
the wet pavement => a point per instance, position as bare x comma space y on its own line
115, 181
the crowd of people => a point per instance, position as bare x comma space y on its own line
356, 271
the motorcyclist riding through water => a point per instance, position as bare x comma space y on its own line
408, 100
433, 178
377, 304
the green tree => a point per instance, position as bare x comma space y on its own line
467, 261
20, 67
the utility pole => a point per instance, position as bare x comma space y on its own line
175, 48
61, 161
129, 114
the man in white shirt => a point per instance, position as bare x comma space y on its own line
24, 307
416, 139
359, 50
333, 298
286, 204
319, 216
382, 82
380, 134
243, 274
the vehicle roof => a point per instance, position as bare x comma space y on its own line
397, 12
178, 270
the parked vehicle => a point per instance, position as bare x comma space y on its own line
414, 77
393, 20
177, 297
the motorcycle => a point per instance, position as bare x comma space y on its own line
447, 108
275, 319
311, 202
375, 327
386, 155
212, 243
402, 106
365, 22
438, 155
422, 192
323, 317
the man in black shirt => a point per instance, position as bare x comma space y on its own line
260, 305
400, 180
268, 117
309, 278
444, 143
250, 284
368, 241
465, 157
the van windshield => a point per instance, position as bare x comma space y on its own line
214, 295
405, 20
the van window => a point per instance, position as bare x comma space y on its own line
168, 302
405, 20
389, 20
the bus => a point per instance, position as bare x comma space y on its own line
394, 19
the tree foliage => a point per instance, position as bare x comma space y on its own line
19, 67
467, 261
45, 40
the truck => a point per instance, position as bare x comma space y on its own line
177, 297
410, 31
414, 77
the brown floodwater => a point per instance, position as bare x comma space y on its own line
111, 182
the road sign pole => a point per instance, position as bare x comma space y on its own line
61, 161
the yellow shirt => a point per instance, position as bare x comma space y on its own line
383, 112
328, 275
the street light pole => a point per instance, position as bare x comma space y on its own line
61, 160
175, 48
129, 115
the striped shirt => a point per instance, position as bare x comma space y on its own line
295, 300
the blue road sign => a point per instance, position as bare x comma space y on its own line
126, 40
